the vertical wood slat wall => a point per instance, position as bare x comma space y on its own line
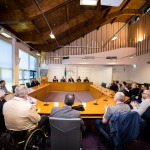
94, 42
139, 34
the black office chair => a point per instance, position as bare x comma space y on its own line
124, 128
65, 133
22, 140
146, 118
28, 84
13, 88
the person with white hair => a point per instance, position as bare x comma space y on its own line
142, 107
2, 101
120, 106
21, 115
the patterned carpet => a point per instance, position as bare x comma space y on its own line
56, 96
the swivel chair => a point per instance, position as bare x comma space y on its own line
65, 133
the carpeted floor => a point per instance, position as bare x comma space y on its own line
58, 96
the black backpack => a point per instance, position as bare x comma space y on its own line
7, 142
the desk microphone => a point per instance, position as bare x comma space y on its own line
108, 96
79, 107
46, 104
98, 99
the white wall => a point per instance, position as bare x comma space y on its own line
95, 73
142, 71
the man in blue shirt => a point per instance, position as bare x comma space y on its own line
3, 87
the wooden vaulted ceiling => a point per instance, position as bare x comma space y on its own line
67, 19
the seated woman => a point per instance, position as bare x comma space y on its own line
134, 91
55, 79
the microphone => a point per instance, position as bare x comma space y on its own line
79, 107
108, 96
98, 99
46, 104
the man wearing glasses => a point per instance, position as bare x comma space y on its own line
141, 108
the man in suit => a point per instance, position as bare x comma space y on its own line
2, 101
71, 79
35, 82
66, 111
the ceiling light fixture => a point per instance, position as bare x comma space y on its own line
88, 2
38, 54
5, 33
52, 35
114, 37
115, 3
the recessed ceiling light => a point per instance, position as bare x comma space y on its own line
52, 35
115, 3
88, 2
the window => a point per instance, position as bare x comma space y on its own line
6, 71
27, 67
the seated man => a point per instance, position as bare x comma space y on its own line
79, 80
114, 85
55, 79
63, 79
71, 79
3, 87
86, 79
138, 98
141, 108
34, 82
66, 111
109, 110
21, 115
2, 101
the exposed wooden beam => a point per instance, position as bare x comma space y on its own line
67, 12
106, 13
126, 3
32, 12
72, 23
113, 20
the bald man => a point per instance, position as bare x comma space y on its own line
141, 108
120, 106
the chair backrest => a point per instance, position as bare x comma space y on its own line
146, 114
65, 133
13, 88
28, 84
124, 128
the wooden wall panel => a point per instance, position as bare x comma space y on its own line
94, 42
139, 34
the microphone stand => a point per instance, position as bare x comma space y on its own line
98, 99
79, 101
108, 96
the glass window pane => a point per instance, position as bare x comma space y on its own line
32, 63
24, 60
6, 70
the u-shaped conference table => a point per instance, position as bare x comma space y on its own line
102, 95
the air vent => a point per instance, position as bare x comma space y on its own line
65, 57
111, 57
